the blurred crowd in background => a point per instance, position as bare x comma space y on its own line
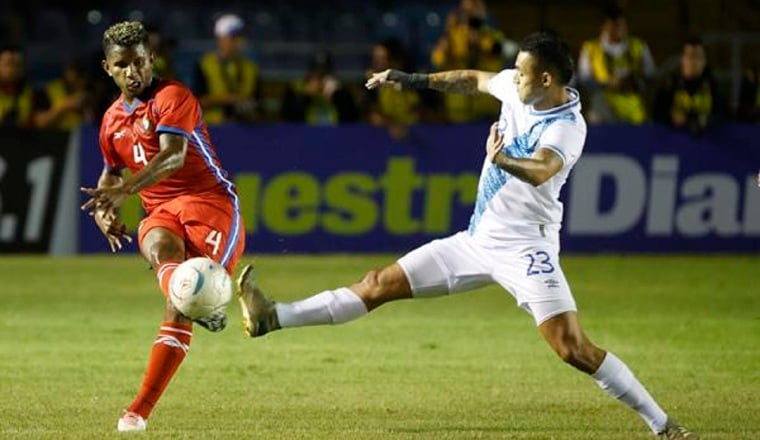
306, 62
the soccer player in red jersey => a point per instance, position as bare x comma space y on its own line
155, 130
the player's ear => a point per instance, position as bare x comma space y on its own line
104, 65
546, 79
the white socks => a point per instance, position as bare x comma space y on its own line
329, 307
614, 377
343, 305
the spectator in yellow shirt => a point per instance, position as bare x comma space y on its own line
615, 68
470, 42
319, 98
226, 79
68, 100
392, 107
18, 100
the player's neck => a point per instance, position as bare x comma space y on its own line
553, 98
129, 100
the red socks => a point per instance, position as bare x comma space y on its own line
164, 274
169, 350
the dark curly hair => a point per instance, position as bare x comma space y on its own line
126, 34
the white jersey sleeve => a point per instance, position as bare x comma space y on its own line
566, 138
502, 87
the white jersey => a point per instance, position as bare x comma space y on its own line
506, 206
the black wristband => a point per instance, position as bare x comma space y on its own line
409, 80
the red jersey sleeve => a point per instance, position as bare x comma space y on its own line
177, 111
111, 159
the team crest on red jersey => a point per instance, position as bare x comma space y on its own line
146, 124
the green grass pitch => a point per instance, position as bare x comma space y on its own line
75, 333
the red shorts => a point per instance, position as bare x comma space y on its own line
210, 225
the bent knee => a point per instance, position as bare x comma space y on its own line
166, 243
380, 286
371, 278
161, 245
580, 354
570, 347
373, 283
391, 278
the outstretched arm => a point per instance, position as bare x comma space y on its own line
535, 170
461, 81
469, 82
168, 160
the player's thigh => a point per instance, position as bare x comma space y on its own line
449, 265
160, 237
213, 228
532, 273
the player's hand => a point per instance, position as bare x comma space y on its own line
106, 198
495, 142
113, 229
378, 79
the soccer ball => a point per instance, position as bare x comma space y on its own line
200, 287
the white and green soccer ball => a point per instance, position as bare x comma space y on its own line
200, 287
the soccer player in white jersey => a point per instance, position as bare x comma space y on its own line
513, 237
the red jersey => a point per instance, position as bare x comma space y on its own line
129, 139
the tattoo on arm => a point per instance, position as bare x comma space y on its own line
534, 170
455, 81
520, 168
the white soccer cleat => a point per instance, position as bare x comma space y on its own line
131, 422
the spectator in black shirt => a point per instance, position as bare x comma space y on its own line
689, 98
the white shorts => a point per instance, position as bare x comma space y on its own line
529, 270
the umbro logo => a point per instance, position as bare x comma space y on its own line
119, 134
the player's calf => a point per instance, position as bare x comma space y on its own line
565, 336
381, 286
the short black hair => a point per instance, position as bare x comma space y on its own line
395, 48
693, 40
126, 34
613, 12
321, 62
10, 47
551, 53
